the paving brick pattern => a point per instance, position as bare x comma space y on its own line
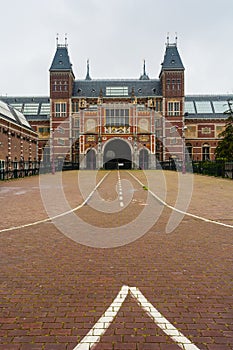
53, 290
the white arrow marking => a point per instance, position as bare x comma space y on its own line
94, 335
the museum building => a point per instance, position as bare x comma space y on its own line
18, 141
128, 123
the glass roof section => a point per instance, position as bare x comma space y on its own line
31, 108
203, 107
22, 119
45, 108
220, 106
5, 111
18, 106
189, 107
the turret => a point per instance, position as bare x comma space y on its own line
61, 74
172, 83
172, 72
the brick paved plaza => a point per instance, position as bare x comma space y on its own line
53, 290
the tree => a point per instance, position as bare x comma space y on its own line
225, 145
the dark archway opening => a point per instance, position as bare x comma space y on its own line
117, 155
143, 159
91, 159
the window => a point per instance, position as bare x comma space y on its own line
173, 84
205, 152
60, 86
2, 164
158, 107
178, 84
188, 151
75, 107
43, 131
173, 108
117, 117
60, 109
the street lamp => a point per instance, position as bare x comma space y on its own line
53, 160
183, 150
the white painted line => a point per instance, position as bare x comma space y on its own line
59, 215
181, 211
120, 193
104, 322
93, 336
162, 322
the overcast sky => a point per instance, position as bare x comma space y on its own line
116, 35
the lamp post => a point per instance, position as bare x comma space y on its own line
53, 160
183, 149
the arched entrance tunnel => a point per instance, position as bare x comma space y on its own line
117, 155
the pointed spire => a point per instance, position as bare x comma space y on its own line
168, 38
144, 76
144, 68
88, 71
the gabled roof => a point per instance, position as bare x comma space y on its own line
61, 60
172, 60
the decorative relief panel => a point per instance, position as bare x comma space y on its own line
117, 130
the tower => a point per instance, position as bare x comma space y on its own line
172, 83
61, 89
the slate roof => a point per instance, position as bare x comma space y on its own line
61, 60
172, 60
141, 88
